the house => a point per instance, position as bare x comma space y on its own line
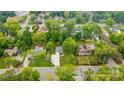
40, 20
76, 30
86, 49
55, 59
58, 49
21, 13
11, 52
38, 49
115, 29
43, 28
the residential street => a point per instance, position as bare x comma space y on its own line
79, 71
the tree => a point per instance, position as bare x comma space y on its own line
27, 38
21, 45
79, 18
70, 59
1, 52
5, 14
69, 46
104, 74
6, 42
88, 75
28, 74
78, 36
6, 62
110, 22
3, 28
53, 24
70, 24
118, 16
66, 14
9, 75
13, 26
90, 30
66, 73
39, 38
103, 54
50, 47
54, 35
116, 38
64, 35
121, 47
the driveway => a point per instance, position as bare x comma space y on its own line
44, 71
26, 61
80, 71
111, 63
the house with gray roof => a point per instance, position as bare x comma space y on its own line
58, 49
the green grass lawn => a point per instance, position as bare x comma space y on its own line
67, 60
6, 62
40, 62
82, 60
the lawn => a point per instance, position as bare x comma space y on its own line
82, 60
77, 61
40, 62
6, 62
68, 59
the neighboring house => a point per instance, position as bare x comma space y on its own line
115, 29
11, 52
55, 59
21, 13
58, 49
59, 18
43, 28
19, 58
86, 49
76, 30
105, 37
40, 20
38, 49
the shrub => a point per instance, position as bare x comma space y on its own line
66, 73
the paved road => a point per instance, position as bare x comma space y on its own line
79, 71
21, 13
44, 71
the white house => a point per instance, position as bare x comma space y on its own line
116, 29
11, 52
55, 59
38, 49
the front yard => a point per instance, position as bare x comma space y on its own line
82, 60
41, 62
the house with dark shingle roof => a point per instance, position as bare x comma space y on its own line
86, 49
